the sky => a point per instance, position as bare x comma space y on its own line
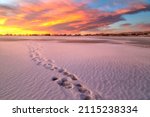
73, 16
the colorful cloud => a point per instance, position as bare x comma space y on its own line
70, 16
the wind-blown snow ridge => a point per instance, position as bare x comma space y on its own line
69, 81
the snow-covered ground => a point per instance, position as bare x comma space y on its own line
75, 68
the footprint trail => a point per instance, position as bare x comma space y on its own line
68, 81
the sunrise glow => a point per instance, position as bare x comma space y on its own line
73, 16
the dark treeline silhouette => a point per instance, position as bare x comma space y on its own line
121, 34
97, 34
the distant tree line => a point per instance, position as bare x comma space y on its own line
97, 34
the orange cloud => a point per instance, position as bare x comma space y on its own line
63, 16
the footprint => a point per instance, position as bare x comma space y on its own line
51, 61
55, 78
60, 70
35, 58
49, 66
66, 73
73, 77
83, 90
37, 61
78, 85
37, 54
55, 67
65, 83
85, 97
68, 85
